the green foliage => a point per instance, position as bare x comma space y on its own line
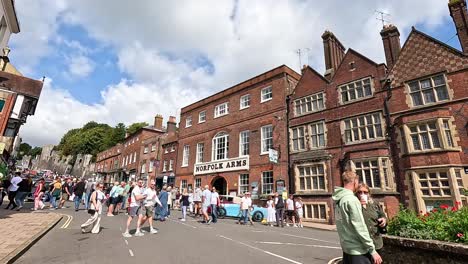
135, 126
35, 151
92, 138
444, 223
26, 149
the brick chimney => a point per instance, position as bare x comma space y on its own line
391, 43
334, 52
171, 125
158, 121
460, 18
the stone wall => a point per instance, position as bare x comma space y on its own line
398, 250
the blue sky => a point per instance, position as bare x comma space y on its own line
114, 61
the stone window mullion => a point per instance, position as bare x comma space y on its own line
454, 186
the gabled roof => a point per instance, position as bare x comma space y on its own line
347, 54
424, 55
316, 73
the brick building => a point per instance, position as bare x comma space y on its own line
107, 166
159, 151
130, 159
337, 122
167, 166
429, 115
225, 139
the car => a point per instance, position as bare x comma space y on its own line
230, 207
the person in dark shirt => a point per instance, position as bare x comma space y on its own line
79, 189
24, 187
66, 192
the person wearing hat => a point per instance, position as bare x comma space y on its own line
246, 203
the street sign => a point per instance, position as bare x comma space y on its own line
165, 179
273, 155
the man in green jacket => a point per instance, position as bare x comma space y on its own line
355, 241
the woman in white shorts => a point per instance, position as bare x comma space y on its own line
299, 211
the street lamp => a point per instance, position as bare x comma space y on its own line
6, 60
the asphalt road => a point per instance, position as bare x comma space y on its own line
181, 242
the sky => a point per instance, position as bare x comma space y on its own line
115, 61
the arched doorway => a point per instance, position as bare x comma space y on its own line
220, 184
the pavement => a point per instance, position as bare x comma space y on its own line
181, 242
20, 229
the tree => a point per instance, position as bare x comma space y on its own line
35, 151
135, 126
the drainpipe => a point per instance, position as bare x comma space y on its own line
288, 100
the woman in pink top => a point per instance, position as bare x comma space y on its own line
38, 194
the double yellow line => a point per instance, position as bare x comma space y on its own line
67, 222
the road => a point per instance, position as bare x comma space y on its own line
181, 242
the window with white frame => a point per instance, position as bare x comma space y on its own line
434, 183
185, 156
151, 166
143, 168
243, 183
166, 149
202, 117
183, 184
374, 172
267, 182
172, 148
362, 128
145, 150
459, 179
220, 146
164, 165
244, 139
266, 138
430, 135
317, 134
200, 152
130, 159
267, 94
311, 177
188, 121
134, 157
221, 110
171, 165
429, 90
315, 211
153, 147
298, 138
356, 90
309, 104
245, 101
197, 182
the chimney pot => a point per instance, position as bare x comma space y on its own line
391, 43
158, 121
171, 125
459, 15
334, 52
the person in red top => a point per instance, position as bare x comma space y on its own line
38, 194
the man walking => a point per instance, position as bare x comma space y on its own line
78, 190
290, 211
279, 206
197, 201
214, 205
246, 203
355, 240
89, 190
150, 201
66, 192
135, 202
206, 202
12, 189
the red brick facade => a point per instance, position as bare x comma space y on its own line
270, 114
430, 138
321, 149
108, 164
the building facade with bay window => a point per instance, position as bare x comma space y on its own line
337, 123
429, 112
225, 139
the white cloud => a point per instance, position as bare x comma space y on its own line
79, 66
159, 45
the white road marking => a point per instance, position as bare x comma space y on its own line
309, 238
264, 251
182, 223
131, 252
126, 242
67, 223
294, 244
258, 231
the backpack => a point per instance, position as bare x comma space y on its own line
280, 203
